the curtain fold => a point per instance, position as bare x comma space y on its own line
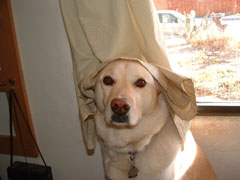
102, 31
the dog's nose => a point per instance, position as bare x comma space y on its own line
120, 106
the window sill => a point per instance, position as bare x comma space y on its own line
218, 109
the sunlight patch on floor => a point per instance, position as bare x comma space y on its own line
185, 158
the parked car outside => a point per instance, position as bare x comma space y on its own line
172, 22
230, 19
170, 16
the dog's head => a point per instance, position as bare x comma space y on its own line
125, 92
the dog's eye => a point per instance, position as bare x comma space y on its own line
140, 83
108, 81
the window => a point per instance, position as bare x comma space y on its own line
207, 49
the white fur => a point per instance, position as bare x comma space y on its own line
155, 139
150, 131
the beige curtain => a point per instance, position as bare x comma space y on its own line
100, 31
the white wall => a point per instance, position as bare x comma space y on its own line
4, 114
47, 68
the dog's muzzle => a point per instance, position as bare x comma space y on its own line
120, 108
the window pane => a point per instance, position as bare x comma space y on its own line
207, 50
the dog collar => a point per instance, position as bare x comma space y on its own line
133, 171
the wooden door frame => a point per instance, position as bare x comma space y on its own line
11, 69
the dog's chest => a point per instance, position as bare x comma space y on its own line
121, 165
154, 166
154, 162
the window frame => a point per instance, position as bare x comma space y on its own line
218, 109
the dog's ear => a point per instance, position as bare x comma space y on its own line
178, 91
158, 87
87, 105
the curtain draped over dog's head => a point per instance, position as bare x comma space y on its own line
100, 32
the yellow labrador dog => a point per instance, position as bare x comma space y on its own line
137, 136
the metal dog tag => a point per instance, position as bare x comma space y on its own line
133, 172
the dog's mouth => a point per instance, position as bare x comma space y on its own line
119, 120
